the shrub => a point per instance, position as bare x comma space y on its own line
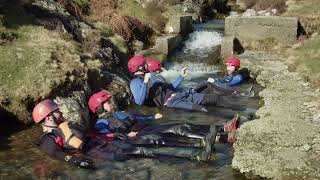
76, 8
107, 11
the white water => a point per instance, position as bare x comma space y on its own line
192, 80
199, 52
202, 42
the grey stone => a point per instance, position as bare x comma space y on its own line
283, 29
179, 24
283, 139
230, 46
74, 107
167, 44
249, 12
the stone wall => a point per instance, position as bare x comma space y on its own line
179, 24
253, 28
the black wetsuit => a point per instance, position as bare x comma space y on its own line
168, 134
157, 92
101, 150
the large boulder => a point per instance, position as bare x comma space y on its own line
253, 28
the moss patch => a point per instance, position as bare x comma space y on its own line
33, 65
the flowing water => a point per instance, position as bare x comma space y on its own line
20, 157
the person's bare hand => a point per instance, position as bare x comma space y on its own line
184, 72
147, 76
211, 80
132, 134
158, 116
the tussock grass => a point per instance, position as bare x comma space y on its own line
308, 12
306, 59
151, 14
107, 12
33, 66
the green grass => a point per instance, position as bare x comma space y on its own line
306, 59
132, 8
33, 65
308, 12
120, 44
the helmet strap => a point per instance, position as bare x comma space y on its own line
49, 124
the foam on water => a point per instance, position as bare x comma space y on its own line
202, 40
199, 53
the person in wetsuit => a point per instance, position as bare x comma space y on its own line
227, 85
140, 130
150, 88
69, 141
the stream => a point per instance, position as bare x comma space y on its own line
20, 157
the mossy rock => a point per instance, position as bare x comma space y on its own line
39, 63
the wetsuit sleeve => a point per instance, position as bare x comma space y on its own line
236, 80
49, 146
141, 118
139, 90
177, 81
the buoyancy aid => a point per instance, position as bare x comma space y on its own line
158, 92
119, 122
244, 73
70, 136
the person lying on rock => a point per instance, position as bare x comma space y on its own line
69, 141
137, 129
226, 86
150, 88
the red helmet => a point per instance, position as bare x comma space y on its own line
135, 62
43, 109
233, 61
97, 99
153, 65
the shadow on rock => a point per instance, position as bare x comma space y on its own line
9, 125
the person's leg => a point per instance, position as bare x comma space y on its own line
167, 140
181, 129
208, 87
165, 152
224, 101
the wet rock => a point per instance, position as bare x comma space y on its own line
74, 107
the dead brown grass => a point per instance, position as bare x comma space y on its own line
154, 10
107, 11
76, 8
